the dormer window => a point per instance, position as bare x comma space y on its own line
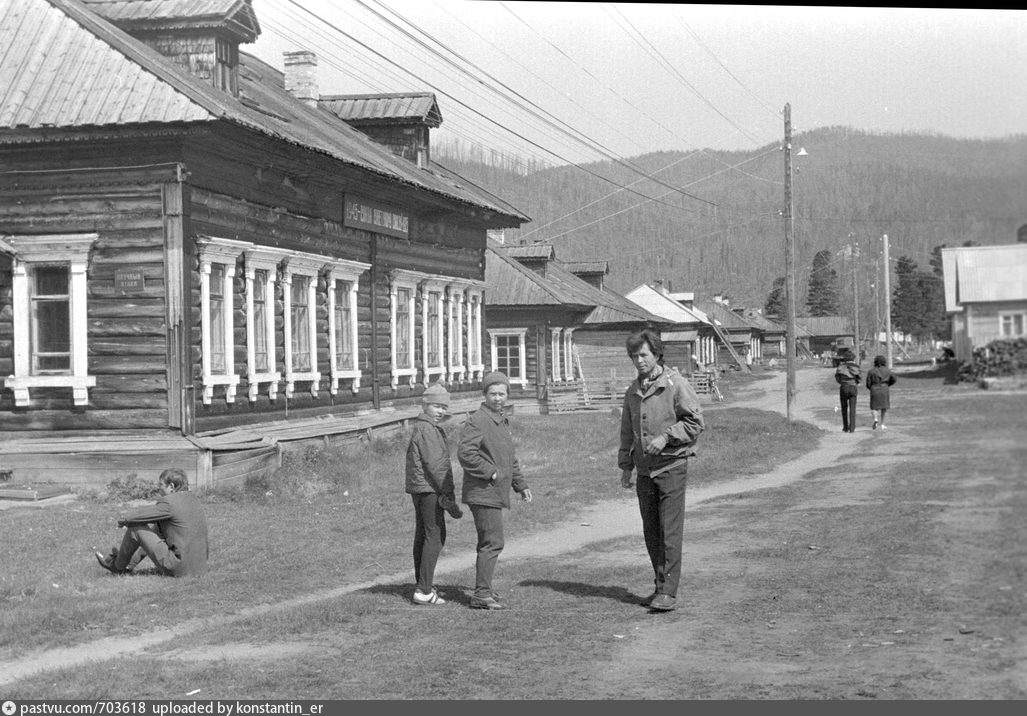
226, 66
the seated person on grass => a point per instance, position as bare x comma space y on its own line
172, 532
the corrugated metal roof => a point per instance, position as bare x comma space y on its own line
163, 9
54, 74
508, 283
579, 267
529, 251
664, 306
825, 325
981, 274
359, 108
63, 66
722, 315
609, 308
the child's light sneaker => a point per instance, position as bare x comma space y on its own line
432, 598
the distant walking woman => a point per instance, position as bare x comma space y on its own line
879, 382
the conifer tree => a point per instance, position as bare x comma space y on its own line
822, 295
775, 304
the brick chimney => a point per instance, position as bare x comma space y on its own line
301, 76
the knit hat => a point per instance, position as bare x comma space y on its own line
436, 394
492, 379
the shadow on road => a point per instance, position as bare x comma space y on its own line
579, 589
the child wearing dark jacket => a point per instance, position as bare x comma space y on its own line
429, 482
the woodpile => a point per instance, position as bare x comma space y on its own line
1002, 357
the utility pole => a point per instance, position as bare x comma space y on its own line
887, 300
855, 297
789, 270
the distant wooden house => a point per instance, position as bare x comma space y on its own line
598, 342
985, 294
689, 335
198, 257
530, 324
736, 334
772, 335
825, 330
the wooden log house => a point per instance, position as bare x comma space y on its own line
197, 257
568, 334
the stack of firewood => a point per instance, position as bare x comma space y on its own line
1003, 357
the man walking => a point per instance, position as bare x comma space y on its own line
660, 424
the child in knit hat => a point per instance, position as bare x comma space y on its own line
429, 481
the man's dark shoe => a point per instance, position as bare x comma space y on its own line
486, 603
646, 601
107, 562
663, 603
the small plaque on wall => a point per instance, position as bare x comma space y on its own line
126, 280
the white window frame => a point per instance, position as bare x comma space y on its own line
398, 279
568, 353
28, 252
522, 357
259, 259
224, 252
475, 301
428, 287
556, 363
347, 272
455, 368
308, 266
1012, 315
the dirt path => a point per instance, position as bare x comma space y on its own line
602, 522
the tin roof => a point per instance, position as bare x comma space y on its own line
580, 267
722, 315
663, 305
397, 108
977, 274
530, 251
234, 15
62, 66
510, 283
825, 325
607, 307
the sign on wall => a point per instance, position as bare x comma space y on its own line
126, 280
360, 213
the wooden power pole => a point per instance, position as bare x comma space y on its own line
887, 300
789, 270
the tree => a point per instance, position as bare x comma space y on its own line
918, 304
775, 304
822, 295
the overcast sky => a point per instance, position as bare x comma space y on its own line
577, 82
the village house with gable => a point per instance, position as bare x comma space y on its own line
985, 295
200, 258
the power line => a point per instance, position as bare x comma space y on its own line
673, 71
532, 109
483, 116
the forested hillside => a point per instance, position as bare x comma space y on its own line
728, 237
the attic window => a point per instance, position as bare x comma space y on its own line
226, 66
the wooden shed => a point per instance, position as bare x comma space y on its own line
193, 251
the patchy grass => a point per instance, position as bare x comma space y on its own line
909, 585
327, 517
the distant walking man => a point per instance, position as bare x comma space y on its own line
660, 424
848, 375
172, 532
